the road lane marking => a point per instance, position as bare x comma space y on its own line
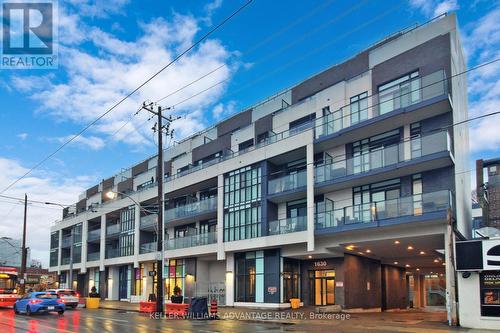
118, 320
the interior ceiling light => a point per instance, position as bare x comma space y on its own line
410, 247
422, 252
368, 251
396, 242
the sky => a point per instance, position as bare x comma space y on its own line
107, 48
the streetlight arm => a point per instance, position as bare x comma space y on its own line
111, 194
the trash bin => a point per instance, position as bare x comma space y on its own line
92, 302
295, 303
198, 308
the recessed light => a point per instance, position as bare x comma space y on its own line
418, 269
396, 242
444, 264
368, 251
310, 257
436, 260
395, 263
410, 247
422, 252
407, 265
360, 253
350, 247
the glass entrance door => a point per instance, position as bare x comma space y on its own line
322, 286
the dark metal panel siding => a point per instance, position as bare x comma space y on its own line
139, 168
344, 71
437, 180
264, 124
428, 57
239, 120
81, 205
126, 185
362, 282
272, 275
93, 190
212, 147
108, 183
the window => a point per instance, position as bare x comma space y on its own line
175, 276
249, 276
53, 257
399, 93
302, 123
416, 140
376, 152
242, 203
127, 219
359, 108
54, 240
245, 145
126, 244
291, 279
384, 194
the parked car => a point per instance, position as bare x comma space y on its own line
38, 302
69, 296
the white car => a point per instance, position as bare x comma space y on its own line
68, 296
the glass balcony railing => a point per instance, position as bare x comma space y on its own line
65, 261
94, 235
383, 157
402, 95
149, 220
148, 247
112, 253
416, 205
287, 183
191, 241
93, 256
113, 229
192, 209
286, 226
66, 241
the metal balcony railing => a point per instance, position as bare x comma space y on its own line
112, 253
383, 157
289, 225
287, 183
415, 205
192, 209
65, 261
191, 241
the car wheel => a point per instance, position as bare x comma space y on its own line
60, 312
28, 311
16, 311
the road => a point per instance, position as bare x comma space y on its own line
109, 321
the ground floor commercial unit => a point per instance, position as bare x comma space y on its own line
382, 272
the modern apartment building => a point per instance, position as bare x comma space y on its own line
335, 191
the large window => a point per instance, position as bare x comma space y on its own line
175, 276
249, 276
291, 279
242, 211
399, 93
126, 244
381, 193
127, 219
54, 240
359, 108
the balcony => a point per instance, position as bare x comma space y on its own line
396, 155
191, 241
113, 230
112, 253
286, 226
419, 207
148, 248
93, 256
287, 183
149, 221
408, 93
65, 261
94, 235
66, 241
193, 209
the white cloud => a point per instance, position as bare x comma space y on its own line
221, 110
22, 136
92, 142
42, 187
93, 82
433, 8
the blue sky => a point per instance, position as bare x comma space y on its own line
109, 47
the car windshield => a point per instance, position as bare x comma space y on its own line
46, 296
66, 293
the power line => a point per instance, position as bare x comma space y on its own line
130, 94
32, 201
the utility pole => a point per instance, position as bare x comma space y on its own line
160, 263
24, 251
450, 273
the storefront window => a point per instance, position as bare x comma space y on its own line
322, 287
490, 293
249, 276
175, 276
291, 279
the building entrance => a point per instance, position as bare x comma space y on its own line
322, 286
